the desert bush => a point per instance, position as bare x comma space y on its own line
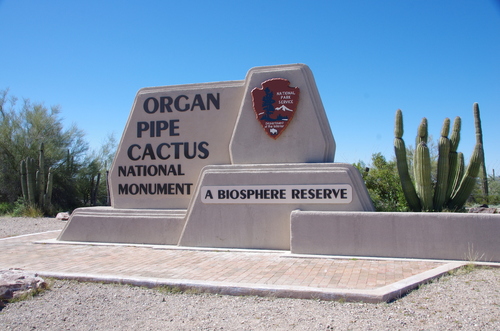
383, 184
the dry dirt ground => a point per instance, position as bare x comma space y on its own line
468, 299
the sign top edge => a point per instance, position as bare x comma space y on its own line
196, 86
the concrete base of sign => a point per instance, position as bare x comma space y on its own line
138, 226
454, 236
263, 224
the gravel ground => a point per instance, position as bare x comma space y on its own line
15, 226
469, 299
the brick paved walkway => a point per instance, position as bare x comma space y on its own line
220, 271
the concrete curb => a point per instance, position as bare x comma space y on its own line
27, 235
382, 294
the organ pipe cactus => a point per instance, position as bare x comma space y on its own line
422, 168
456, 159
468, 180
402, 165
443, 167
36, 189
479, 140
477, 159
453, 185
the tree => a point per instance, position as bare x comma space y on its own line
22, 129
478, 195
267, 105
382, 182
92, 177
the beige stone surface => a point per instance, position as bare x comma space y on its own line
456, 236
263, 225
182, 128
308, 138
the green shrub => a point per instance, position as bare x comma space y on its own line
23, 209
5, 208
382, 182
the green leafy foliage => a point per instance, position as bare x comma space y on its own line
25, 209
22, 129
6, 208
492, 199
383, 184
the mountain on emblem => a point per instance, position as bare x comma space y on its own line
283, 108
275, 105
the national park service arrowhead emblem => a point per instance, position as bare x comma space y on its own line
275, 105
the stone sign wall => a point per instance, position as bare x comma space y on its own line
222, 165
249, 164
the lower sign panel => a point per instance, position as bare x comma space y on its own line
256, 194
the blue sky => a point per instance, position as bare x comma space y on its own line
431, 59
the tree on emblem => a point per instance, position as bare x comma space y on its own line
267, 105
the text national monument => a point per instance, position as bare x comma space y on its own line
223, 165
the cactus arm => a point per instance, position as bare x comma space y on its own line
455, 134
37, 187
24, 186
404, 175
422, 134
460, 173
48, 192
398, 125
469, 180
96, 189
443, 167
402, 165
453, 175
30, 170
477, 124
422, 169
479, 140
41, 177
476, 163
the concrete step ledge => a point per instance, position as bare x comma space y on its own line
442, 236
107, 224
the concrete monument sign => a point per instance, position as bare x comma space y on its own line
223, 165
